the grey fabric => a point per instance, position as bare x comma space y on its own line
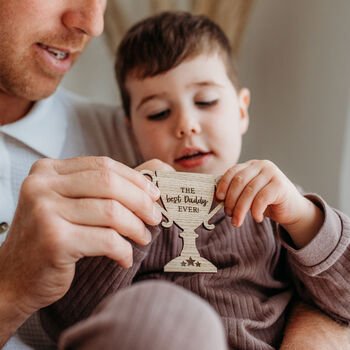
153, 315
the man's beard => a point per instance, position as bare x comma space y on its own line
25, 77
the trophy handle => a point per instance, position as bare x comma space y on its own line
214, 211
153, 175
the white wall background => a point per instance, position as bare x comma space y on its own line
295, 59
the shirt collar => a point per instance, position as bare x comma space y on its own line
43, 128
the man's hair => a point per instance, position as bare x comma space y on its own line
161, 42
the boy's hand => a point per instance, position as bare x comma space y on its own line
259, 185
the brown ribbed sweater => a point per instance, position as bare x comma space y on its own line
259, 272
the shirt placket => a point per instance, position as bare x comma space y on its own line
6, 195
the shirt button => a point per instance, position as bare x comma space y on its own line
4, 227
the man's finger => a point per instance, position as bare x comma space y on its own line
105, 213
99, 241
102, 184
82, 164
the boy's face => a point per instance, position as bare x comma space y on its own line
190, 117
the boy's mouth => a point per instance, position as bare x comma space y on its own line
192, 158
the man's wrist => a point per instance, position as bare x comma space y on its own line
11, 318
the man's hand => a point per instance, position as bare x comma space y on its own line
69, 209
260, 186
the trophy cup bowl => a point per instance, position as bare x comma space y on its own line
187, 199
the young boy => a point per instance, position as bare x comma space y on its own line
182, 98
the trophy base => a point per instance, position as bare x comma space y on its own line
190, 264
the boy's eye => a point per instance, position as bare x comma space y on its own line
206, 103
159, 116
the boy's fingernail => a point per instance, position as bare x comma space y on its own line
148, 236
153, 190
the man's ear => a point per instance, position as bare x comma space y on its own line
244, 101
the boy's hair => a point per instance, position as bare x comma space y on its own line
161, 42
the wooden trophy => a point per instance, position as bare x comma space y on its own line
187, 199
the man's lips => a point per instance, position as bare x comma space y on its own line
59, 54
55, 59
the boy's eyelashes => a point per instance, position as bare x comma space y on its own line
164, 114
207, 103
160, 115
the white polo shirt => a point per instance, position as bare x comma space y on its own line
61, 126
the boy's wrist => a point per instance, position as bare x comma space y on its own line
307, 225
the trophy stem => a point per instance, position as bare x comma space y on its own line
190, 259
189, 247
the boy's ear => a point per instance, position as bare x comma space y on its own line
244, 101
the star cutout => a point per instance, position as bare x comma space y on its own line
183, 263
198, 264
190, 261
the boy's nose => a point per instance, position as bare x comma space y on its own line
187, 126
86, 16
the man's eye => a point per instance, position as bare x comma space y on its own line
159, 116
206, 103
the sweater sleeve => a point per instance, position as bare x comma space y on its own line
322, 268
95, 278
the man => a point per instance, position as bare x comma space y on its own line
64, 209
39, 42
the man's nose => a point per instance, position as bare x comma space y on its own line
86, 16
187, 125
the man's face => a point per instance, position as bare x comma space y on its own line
190, 117
41, 39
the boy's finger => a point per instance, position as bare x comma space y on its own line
246, 199
226, 179
263, 199
237, 185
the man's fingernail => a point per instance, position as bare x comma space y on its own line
129, 263
153, 190
220, 195
148, 236
157, 215
228, 211
234, 221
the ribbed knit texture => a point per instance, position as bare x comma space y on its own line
190, 324
253, 286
